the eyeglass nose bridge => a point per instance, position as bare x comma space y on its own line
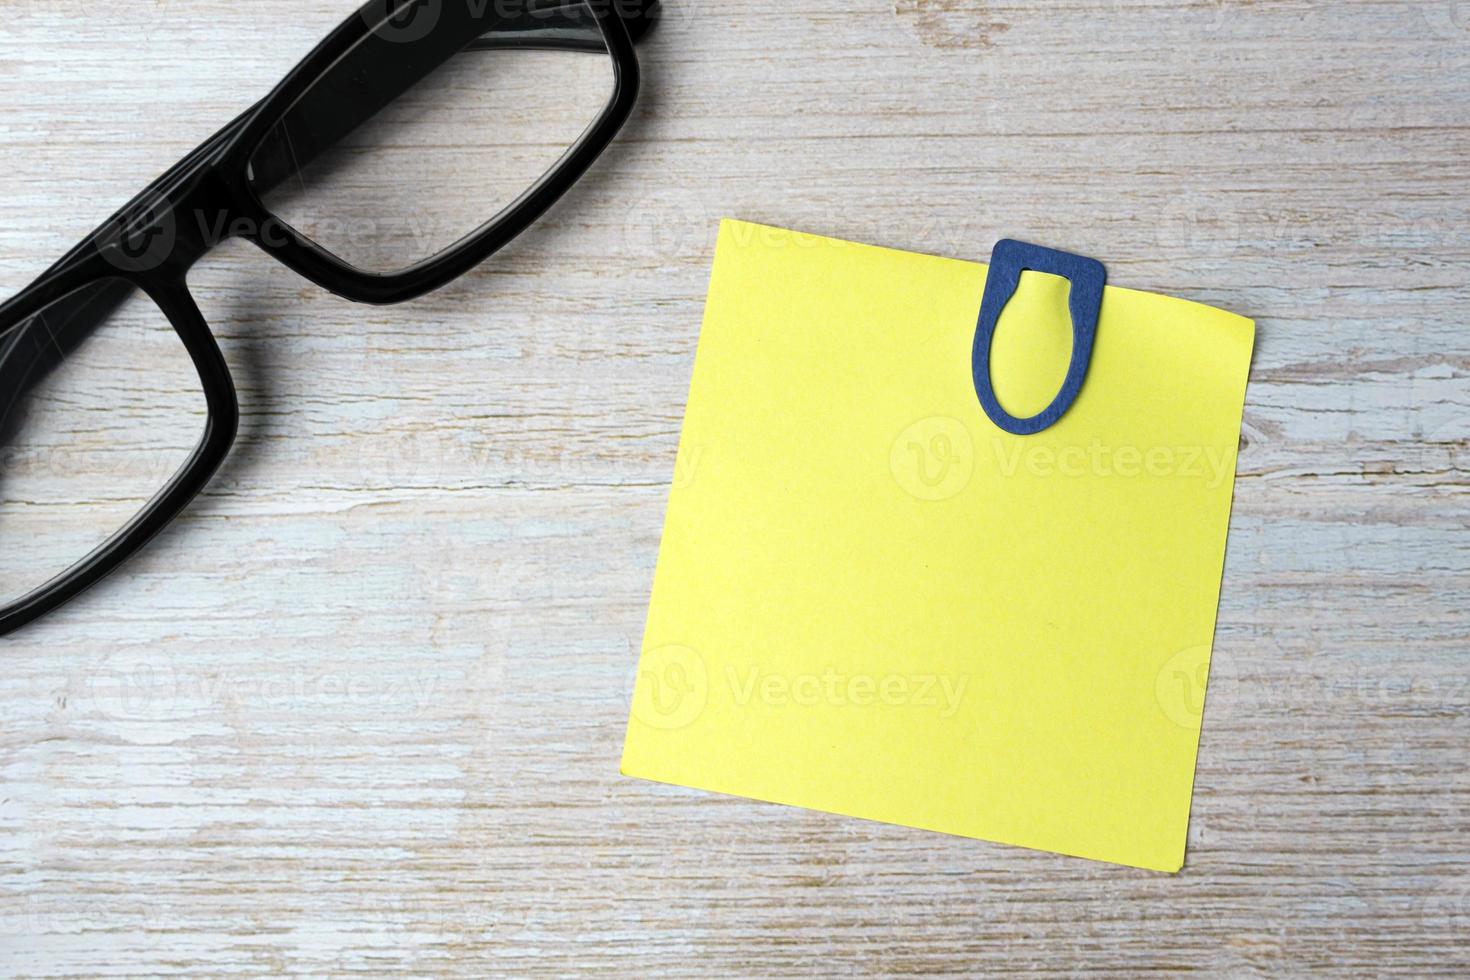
1087, 276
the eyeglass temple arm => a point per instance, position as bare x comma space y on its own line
32, 350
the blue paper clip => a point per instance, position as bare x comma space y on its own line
1087, 276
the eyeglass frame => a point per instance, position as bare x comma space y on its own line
215, 178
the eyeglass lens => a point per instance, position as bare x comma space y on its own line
100, 407
377, 161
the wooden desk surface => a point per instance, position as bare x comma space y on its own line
360, 710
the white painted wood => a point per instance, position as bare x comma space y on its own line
360, 710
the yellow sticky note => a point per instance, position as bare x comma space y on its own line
871, 601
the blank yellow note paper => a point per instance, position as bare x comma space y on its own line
871, 601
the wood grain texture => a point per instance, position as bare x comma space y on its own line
360, 710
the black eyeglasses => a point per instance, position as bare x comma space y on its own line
109, 373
